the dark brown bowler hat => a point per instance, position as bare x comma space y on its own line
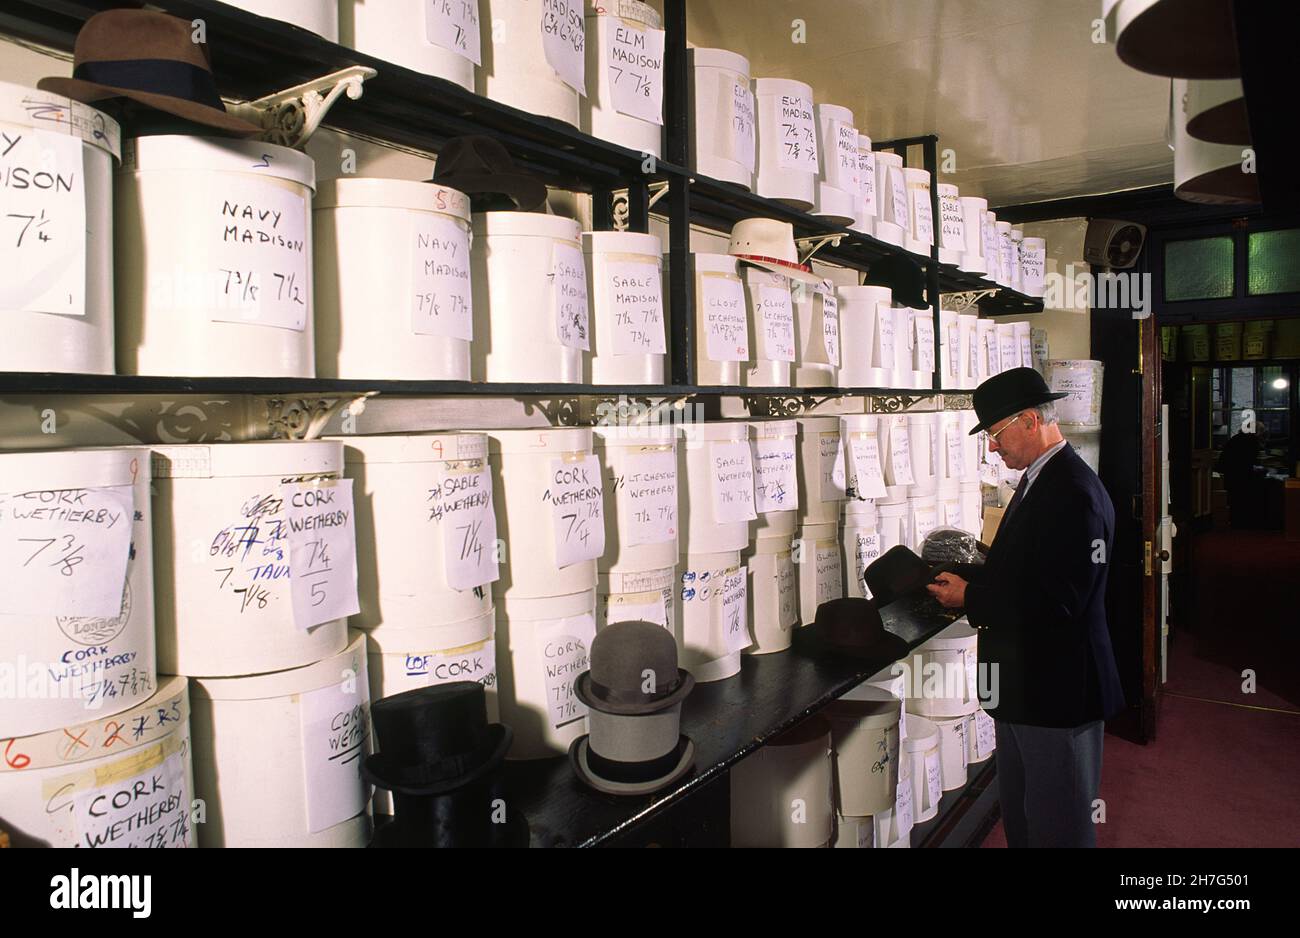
852, 626
151, 58
479, 165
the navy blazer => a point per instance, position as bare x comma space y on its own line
1040, 601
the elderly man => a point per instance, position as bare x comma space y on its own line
1039, 602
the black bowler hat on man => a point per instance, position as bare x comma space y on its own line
1009, 393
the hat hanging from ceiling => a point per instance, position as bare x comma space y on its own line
1010, 392
852, 626
438, 754
903, 276
769, 244
634, 692
147, 57
479, 166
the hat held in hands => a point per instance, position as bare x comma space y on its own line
151, 58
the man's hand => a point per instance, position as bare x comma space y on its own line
949, 589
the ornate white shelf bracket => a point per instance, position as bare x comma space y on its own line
963, 302
810, 246
306, 418
290, 117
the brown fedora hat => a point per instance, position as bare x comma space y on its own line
151, 58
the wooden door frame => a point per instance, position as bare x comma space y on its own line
1149, 364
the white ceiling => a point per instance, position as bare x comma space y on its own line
1031, 107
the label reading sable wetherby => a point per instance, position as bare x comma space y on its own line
460, 503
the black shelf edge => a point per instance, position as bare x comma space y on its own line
726, 719
17, 382
965, 813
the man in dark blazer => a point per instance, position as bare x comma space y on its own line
1039, 603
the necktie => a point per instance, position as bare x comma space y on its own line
1015, 498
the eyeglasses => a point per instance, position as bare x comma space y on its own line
994, 436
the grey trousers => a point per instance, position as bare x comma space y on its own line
1047, 781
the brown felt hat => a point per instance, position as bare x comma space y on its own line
151, 58
852, 626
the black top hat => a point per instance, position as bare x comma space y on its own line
897, 573
147, 57
480, 166
1008, 393
903, 276
434, 739
852, 626
621, 654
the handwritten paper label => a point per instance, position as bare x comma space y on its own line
926, 520
952, 230
726, 322
151, 808
742, 125
562, 646
898, 195
903, 810
1008, 351
650, 606
775, 325
797, 139
787, 593
733, 482
866, 550
647, 497
569, 296
933, 779
924, 349
985, 735
42, 222
453, 25
1078, 406
882, 347
992, 254
867, 182
564, 42
442, 303
953, 335
899, 470
973, 353
956, 450
636, 295
952, 513
972, 688
923, 214
577, 509
335, 726
733, 599
634, 58
64, 552
1026, 352
830, 453
1007, 256
830, 577
776, 487
477, 664
322, 550
830, 317
991, 351
1032, 264
843, 168
258, 249
867, 481
461, 505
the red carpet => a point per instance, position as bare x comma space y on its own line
1222, 770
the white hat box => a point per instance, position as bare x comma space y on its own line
782, 794
922, 518
786, 166
972, 509
629, 322
891, 199
57, 295
866, 212
1024, 343
867, 337
821, 470
923, 436
550, 510
426, 513
228, 293
722, 146
710, 614
973, 210
625, 75
531, 300
1033, 266
988, 354
540, 66
89, 647
838, 186
921, 750
772, 328
416, 321
1017, 258
855, 832
920, 213
925, 349
318, 16
277, 757
861, 541
641, 495
1082, 380
1008, 346
776, 477
445, 41
88, 785
895, 526
819, 347
721, 319
1007, 262
981, 737
644, 596
992, 249
945, 673
717, 498
222, 547
864, 472
952, 751
773, 594
949, 341
949, 505
542, 648
968, 324
821, 572
952, 225
864, 732
896, 451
